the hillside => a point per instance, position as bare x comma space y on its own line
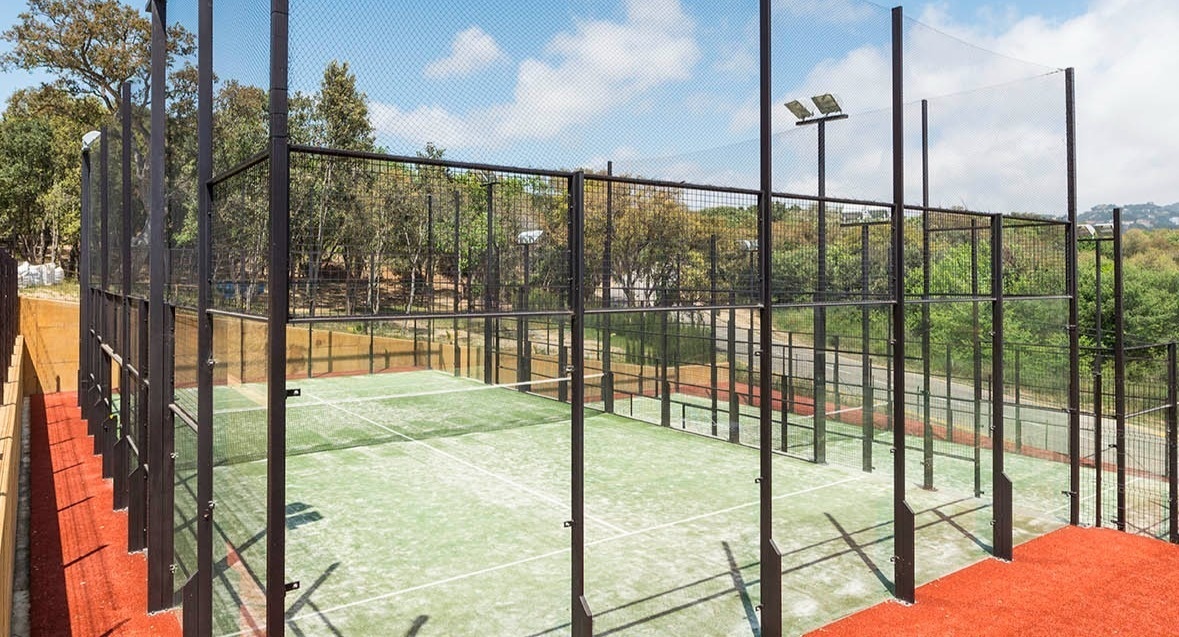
1148, 215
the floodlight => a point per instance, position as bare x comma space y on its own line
799, 111
529, 237
826, 103
89, 138
749, 245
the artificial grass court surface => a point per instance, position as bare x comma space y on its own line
1069, 582
442, 519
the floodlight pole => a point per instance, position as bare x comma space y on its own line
819, 345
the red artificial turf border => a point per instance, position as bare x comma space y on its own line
1072, 581
82, 580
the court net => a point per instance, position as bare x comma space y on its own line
347, 412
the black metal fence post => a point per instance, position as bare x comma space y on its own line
1172, 470
85, 367
277, 283
926, 266
1074, 339
121, 449
1119, 368
582, 618
101, 423
1002, 485
607, 291
904, 576
160, 473
771, 555
204, 359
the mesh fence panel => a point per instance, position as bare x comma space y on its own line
375, 235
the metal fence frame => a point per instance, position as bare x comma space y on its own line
113, 318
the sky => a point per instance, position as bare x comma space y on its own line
668, 88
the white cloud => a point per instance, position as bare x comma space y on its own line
998, 143
584, 73
472, 50
1126, 58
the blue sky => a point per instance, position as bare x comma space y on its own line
668, 88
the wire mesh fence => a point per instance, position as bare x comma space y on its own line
467, 346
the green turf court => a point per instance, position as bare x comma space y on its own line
441, 510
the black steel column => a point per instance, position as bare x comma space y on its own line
121, 445
903, 523
102, 422
926, 357
607, 290
771, 556
712, 301
84, 248
1002, 485
1172, 470
1074, 339
734, 401
582, 619
976, 355
204, 359
1119, 367
819, 346
1098, 390
458, 275
867, 397
85, 366
160, 472
488, 283
277, 283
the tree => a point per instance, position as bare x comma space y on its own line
26, 173
91, 47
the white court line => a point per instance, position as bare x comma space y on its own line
542, 556
841, 411
1094, 495
505, 480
